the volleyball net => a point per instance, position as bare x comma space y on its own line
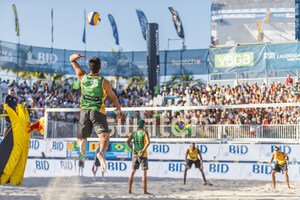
256, 121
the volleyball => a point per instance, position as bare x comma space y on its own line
93, 18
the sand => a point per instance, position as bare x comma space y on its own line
78, 188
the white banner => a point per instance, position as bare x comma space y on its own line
223, 152
48, 148
230, 171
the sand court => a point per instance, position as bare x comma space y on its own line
78, 188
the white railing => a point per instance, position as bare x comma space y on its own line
221, 132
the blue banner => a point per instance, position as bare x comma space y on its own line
38, 59
143, 22
282, 56
114, 28
182, 62
237, 59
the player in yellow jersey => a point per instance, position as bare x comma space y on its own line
193, 153
281, 165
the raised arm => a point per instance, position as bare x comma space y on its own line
111, 94
79, 71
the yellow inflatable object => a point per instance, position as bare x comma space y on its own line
13, 168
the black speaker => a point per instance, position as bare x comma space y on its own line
153, 55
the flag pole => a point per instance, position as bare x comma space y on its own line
52, 28
18, 58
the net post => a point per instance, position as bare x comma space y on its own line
46, 124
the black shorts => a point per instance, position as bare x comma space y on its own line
81, 163
90, 119
196, 162
279, 168
97, 163
7, 122
136, 162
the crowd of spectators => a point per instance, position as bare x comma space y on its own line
65, 95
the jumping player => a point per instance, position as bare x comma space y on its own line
141, 142
193, 153
281, 165
92, 115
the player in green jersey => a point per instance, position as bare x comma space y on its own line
141, 142
94, 89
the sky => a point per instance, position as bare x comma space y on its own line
35, 23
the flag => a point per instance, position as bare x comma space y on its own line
52, 28
177, 22
114, 28
16, 20
183, 129
38, 126
83, 37
143, 22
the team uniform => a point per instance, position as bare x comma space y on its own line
92, 114
193, 158
281, 163
139, 141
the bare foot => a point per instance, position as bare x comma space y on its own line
289, 187
129, 192
82, 147
207, 183
147, 193
102, 162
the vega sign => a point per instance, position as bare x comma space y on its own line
234, 59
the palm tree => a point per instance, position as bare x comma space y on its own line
186, 79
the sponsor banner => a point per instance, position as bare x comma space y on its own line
254, 153
255, 58
37, 59
115, 150
229, 171
184, 62
47, 148
282, 56
50, 168
237, 59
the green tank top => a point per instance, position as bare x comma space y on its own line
139, 141
93, 93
